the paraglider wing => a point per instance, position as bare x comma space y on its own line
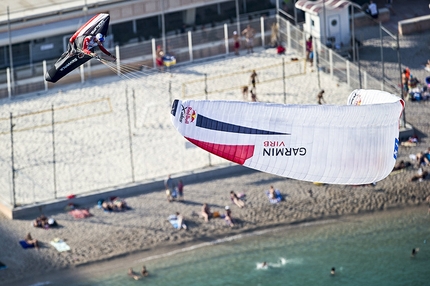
352, 144
68, 62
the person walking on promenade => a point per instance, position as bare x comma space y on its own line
405, 82
236, 43
309, 50
249, 33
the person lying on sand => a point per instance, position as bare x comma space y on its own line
236, 200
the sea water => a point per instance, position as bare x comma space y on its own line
373, 249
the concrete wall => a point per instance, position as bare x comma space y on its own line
414, 25
362, 19
89, 200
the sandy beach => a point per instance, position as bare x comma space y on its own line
144, 229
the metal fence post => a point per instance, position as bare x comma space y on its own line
288, 35
262, 31
330, 55
12, 161
237, 16
226, 39
347, 74
130, 137
45, 70
9, 87
304, 45
206, 86
53, 152
118, 59
154, 55
283, 79
382, 56
81, 69
365, 79
190, 46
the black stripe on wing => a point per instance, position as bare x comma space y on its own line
212, 124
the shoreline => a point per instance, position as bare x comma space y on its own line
143, 231
99, 268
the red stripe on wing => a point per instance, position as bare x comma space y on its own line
72, 39
235, 153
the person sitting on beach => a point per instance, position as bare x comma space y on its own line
180, 219
227, 216
272, 193
206, 213
235, 199
144, 272
427, 68
133, 274
30, 241
41, 221
422, 159
421, 175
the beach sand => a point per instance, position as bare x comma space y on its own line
144, 229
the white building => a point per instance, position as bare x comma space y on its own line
327, 21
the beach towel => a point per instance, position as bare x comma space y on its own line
80, 213
277, 199
60, 245
25, 245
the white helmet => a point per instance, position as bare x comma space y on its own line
100, 37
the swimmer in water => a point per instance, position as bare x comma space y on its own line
414, 252
333, 271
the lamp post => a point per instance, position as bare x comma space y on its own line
163, 26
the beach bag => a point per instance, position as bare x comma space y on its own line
215, 214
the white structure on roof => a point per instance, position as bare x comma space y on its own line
327, 20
